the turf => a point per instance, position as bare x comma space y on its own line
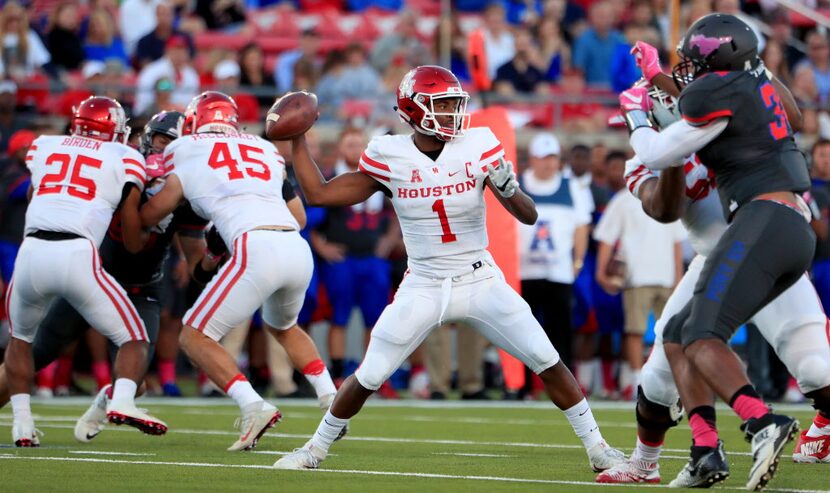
405, 447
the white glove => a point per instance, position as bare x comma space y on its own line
502, 178
153, 187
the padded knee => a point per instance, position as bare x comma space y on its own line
658, 386
656, 417
812, 372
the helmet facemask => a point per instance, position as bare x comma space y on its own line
430, 124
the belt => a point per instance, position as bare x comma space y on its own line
53, 235
446, 289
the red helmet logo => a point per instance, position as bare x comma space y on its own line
100, 118
211, 111
418, 93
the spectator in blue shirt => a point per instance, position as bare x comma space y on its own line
102, 42
594, 49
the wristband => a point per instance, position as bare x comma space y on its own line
637, 119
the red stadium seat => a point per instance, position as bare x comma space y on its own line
248, 107
366, 29
274, 22
276, 45
36, 94
315, 6
209, 40
328, 27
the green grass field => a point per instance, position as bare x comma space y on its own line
398, 447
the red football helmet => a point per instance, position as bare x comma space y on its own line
417, 94
100, 118
211, 111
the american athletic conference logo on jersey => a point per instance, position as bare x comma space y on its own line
416, 176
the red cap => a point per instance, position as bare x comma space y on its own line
176, 41
19, 140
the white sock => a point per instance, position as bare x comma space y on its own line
625, 375
123, 392
329, 429
583, 423
243, 393
815, 431
646, 453
322, 382
21, 407
635, 379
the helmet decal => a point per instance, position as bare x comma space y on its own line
707, 45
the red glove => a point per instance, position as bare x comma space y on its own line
634, 99
647, 59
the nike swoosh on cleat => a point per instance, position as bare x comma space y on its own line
90, 437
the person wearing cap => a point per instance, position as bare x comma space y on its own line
552, 251
14, 185
226, 75
174, 65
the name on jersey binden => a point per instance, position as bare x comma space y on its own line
424, 192
82, 142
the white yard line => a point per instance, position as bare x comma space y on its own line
370, 473
104, 452
430, 441
461, 454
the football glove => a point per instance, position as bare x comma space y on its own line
647, 58
502, 178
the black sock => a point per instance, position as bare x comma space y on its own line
336, 368
707, 413
747, 390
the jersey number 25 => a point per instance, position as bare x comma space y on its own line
78, 186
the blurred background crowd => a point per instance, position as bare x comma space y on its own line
595, 269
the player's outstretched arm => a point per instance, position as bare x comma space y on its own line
346, 189
132, 233
163, 203
503, 184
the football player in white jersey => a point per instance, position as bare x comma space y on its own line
78, 181
235, 179
436, 177
794, 324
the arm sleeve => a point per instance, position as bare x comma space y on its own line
493, 150
671, 146
134, 169
288, 192
373, 164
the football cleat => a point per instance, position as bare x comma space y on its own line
602, 456
120, 414
325, 403
709, 469
768, 436
94, 419
24, 434
812, 450
252, 425
306, 457
631, 471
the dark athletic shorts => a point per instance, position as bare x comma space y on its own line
64, 325
766, 249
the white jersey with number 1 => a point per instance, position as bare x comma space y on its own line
78, 182
440, 204
232, 179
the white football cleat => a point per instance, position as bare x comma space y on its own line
768, 436
94, 419
306, 457
120, 414
24, 433
812, 450
253, 424
631, 471
603, 456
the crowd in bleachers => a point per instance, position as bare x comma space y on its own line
555, 63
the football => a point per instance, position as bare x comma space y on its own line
291, 115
